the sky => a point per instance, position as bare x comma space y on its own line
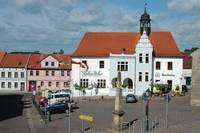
51, 25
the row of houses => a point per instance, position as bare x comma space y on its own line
27, 72
144, 58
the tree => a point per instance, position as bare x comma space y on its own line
189, 51
61, 51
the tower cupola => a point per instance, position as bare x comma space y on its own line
145, 22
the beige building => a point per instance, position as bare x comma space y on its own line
195, 93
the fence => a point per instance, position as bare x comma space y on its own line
139, 125
44, 115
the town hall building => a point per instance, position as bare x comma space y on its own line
144, 58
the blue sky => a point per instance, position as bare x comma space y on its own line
51, 25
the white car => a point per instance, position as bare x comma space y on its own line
59, 97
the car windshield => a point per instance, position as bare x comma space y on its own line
61, 95
130, 95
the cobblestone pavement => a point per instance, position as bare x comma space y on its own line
182, 117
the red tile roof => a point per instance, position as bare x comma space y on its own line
15, 60
2, 54
95, 44
187, 61
35, 60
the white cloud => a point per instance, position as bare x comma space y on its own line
24, 2
184, 5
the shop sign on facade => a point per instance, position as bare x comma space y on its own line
92, 73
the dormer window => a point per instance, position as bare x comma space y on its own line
31, 72
46, 63
52, 63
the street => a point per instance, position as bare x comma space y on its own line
29, 121
180, 112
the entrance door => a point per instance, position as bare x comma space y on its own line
169, 85
32, 85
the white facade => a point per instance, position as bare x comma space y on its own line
13, 79
141, 70
144, 59
108, 73
164, 75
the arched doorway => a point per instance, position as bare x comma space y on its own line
128, 83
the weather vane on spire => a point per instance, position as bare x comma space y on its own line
145, 6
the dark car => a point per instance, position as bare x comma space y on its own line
130, 98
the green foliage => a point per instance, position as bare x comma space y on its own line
77, 87
20, 52
61, 51
189, 51
177, 88
114, 80
161, 86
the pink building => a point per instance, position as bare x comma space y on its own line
49, 72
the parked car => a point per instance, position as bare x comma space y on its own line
130, 98
59, 97
58, 101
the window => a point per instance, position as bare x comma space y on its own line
49, 84
147, 58
66, 84
41, 83
101, 64
52, 63
101, 83
52, 73
84, 83
9, 74
16, 74
169, 66
3, 74
22, 74
122, 66
47, 73
31, 72
68, 73
46, 63
9, 84
16, 85
2, 84
37, 72
140, 58
62, 73
57, 84
157, 65
140, 76
146, 76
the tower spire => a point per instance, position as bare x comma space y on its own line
145, 22
145, 8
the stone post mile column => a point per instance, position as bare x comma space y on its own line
118, 111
